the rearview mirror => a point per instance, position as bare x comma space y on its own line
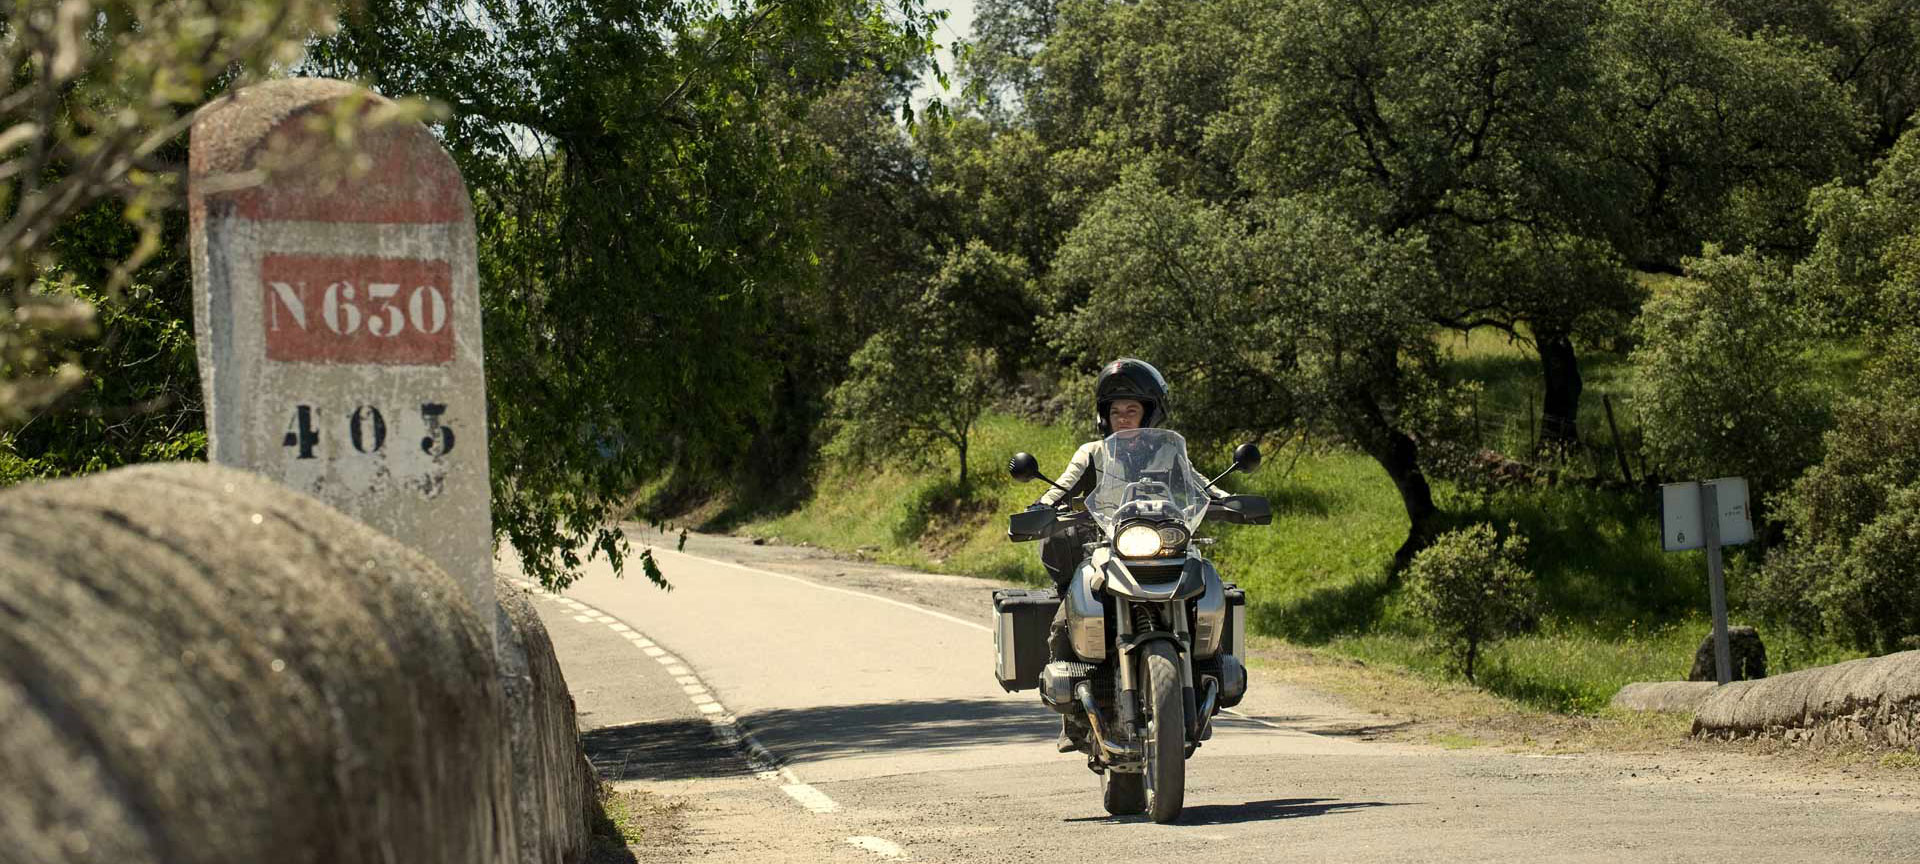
1023, 467
1246, 457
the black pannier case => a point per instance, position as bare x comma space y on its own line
1021, 618
1234, 640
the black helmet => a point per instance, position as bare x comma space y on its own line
1127, 378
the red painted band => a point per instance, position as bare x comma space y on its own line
382, 311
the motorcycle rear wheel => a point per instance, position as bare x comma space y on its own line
1166, 745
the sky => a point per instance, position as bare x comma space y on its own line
959, 22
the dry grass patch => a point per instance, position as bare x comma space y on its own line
633, 819
1455, 714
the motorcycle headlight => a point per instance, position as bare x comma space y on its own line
1150, 541
1137, 541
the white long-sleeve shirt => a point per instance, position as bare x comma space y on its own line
1080, 470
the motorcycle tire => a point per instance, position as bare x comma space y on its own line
1165, 771
1121, 793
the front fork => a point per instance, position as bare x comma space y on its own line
1129, 702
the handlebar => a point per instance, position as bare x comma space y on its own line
1240, 510
1039, 524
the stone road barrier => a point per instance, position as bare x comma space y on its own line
199, 665
1871, 701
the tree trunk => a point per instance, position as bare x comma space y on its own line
1560, 369
962, 446
1399, 455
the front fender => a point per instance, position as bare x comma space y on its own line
1121, 582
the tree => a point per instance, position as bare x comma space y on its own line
998, 62
1716, 136
1282, 317
1474, 589
1720, 376
644, 194
1853, 521
93, 97
1463, 120
926, 379
1538, 146
1872, 49
1865, 252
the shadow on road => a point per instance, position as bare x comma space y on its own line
1266, 811
686, 748
845, 730
660, 750
1253, 811
682, 749
1315, 725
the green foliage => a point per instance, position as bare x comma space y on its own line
1721, 380
1871, 47
1287, 318
926, 378
1864, 271
91, 97
1474, 589
646, 195
1714, 134
998, 62
140, 400
1853, 521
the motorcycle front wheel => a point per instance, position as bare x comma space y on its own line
1166, 744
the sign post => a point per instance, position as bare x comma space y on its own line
336, 307
1710, 514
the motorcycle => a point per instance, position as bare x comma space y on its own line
1158, 635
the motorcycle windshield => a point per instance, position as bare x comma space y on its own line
1144, 474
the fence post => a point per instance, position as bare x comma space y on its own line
1619, 446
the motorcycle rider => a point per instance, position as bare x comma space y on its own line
1129, 394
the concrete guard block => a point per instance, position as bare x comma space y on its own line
1683, 697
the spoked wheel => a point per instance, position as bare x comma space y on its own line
1166, 745
1122, 793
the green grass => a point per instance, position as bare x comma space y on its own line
916, 517
1619, 610
1562, 668
1506, 411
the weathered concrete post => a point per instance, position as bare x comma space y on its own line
337, 309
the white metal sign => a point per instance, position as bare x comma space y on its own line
1680, 517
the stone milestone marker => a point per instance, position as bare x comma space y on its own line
337, 310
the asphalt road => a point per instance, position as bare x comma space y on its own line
794, 709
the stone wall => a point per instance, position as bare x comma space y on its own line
555, 791
198, 665
1871, 701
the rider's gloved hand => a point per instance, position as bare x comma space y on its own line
1038, 506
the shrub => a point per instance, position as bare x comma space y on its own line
1474, 589
1720, 379
1853, 521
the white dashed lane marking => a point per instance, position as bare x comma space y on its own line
879, 846
725, 726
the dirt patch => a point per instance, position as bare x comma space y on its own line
637, 826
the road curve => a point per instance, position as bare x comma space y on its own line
873, 731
